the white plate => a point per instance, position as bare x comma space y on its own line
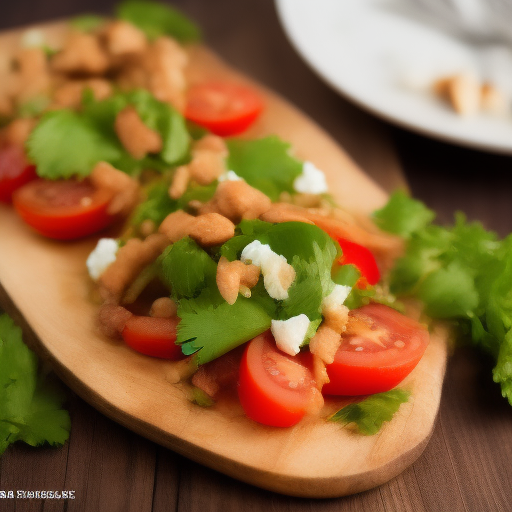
372, 51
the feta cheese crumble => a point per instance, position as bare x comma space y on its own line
278, 275
101, 257
311, 181
289, 334
230, 176
336, 297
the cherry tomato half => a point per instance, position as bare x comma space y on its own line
223, 108
152, 336
275, 389
63, 209
381, 349
15, 171
362, 259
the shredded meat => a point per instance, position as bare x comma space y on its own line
177, 225
131, 259
164, 307
112, 319
211, 229
17, 131
325, 343
232, 275
137, 138
32, 77
237, 200
69, 94
125, 190
124, 39
82, 53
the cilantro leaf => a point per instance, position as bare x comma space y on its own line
156, 206
30, 409
403, 215
265, 164
156, 19
214, 330
369, 414
186, 269
65, 144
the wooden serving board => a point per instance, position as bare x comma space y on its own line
45, 286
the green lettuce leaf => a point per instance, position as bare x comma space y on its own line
87, 22
157, 19
369, 414
30, 407
265, 164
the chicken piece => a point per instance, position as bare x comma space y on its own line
177, 225
336, 317
32, 77
234, 275
462, 91
206, 166
124, 39
125, 190
211, 229
180, 182
164, 62
112, 319
164, 307
69, 94
213, 143
137, 138
18, 131
237, 200
493, 100
284, 212
325, 343
81, 54
131, 259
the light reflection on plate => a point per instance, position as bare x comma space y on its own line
382, 55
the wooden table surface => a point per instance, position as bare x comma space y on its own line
467, 465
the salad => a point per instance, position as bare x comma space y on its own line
229, 255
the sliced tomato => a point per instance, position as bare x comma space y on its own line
63, 209
223, 108
362, 259
15, 171
152, 336
275, 389
381, 348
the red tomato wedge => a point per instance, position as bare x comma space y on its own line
362, 259
381, 348
223, 108
152, 336
275, 389
63, 209
15, 171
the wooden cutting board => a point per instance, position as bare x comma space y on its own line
44, 285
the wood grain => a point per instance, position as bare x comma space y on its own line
48, 285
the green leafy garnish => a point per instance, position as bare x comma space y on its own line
213, 330
462, 273
403, 215
156, 19
156, 206
187, 269
87, 22
67, 143
265, 164
30, 408
369, 414
33, 107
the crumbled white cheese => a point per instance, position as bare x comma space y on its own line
230, 176
101, 257
33, 38
278, 275
289, 334
337, 297
311, 181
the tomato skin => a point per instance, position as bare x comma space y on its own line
267, 398
376, 369
223, 108
15, 171
152, 336
63, 209
362, 259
